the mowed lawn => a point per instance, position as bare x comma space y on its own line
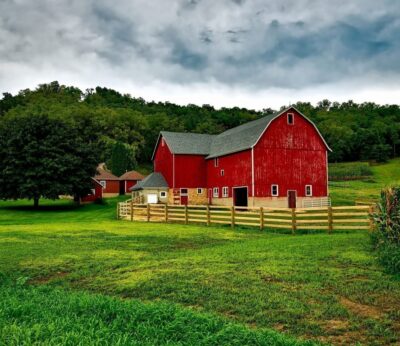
176, 284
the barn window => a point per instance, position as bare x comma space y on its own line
163, 194
308, 190
290, 118
222, 172
216, 162
215, 192
199, 191
274, 190
103, 183
225, 191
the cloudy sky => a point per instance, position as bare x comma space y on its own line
252, 53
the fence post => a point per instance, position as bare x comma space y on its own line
186, 214
293, 220
371, 219
261, 218
330, 220
166, 213
131, 210
208, 215
148, 212
232, 216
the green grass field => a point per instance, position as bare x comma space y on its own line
78, 276
347, 192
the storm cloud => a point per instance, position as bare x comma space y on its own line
228, 52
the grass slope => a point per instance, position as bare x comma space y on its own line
346, 193
319, 287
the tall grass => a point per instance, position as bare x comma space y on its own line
349, 171
387, 232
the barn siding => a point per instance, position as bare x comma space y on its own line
291, 156
237, 172
163, 162
190, 171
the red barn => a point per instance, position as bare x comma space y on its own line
279, 160
128, 180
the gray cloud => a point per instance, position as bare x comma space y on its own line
247, 45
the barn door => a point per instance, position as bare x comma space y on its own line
291, 199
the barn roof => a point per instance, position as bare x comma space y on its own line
102, 174
237, 139
188, 143
131, 175
153, 180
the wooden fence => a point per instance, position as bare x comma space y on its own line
327, 218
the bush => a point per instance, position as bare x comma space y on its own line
387, 229
349, 171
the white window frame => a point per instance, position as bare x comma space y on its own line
163, 194
215, 192
277, 190
310, 193
103, 183
225, 191
292, 115
222, 172
216, 163
199, 190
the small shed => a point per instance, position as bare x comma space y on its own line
152, 189
128, 180
95, 194
108, 181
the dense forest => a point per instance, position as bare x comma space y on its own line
124, 126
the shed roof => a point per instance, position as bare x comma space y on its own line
102, 174
131, 175
153, 180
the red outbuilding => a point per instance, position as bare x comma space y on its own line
279, 160
96, 193
129, 179
108, 181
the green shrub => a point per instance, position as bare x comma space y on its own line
349, 171
387, 229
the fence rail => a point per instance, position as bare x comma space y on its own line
323, 218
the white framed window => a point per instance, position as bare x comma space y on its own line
290, 118
215, 192
216, 163
274, 190
222, 172
199, 191
103, 183
163, 194
225, 191
308, 190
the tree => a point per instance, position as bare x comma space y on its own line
122, 158
43, 157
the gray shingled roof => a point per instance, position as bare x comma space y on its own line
188, 143
239, 138
153, 180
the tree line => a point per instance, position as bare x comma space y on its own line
103, 125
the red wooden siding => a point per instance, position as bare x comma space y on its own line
190, 171
237, 172
163, 162
112, 186
291, 156
98, 193
128, 184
